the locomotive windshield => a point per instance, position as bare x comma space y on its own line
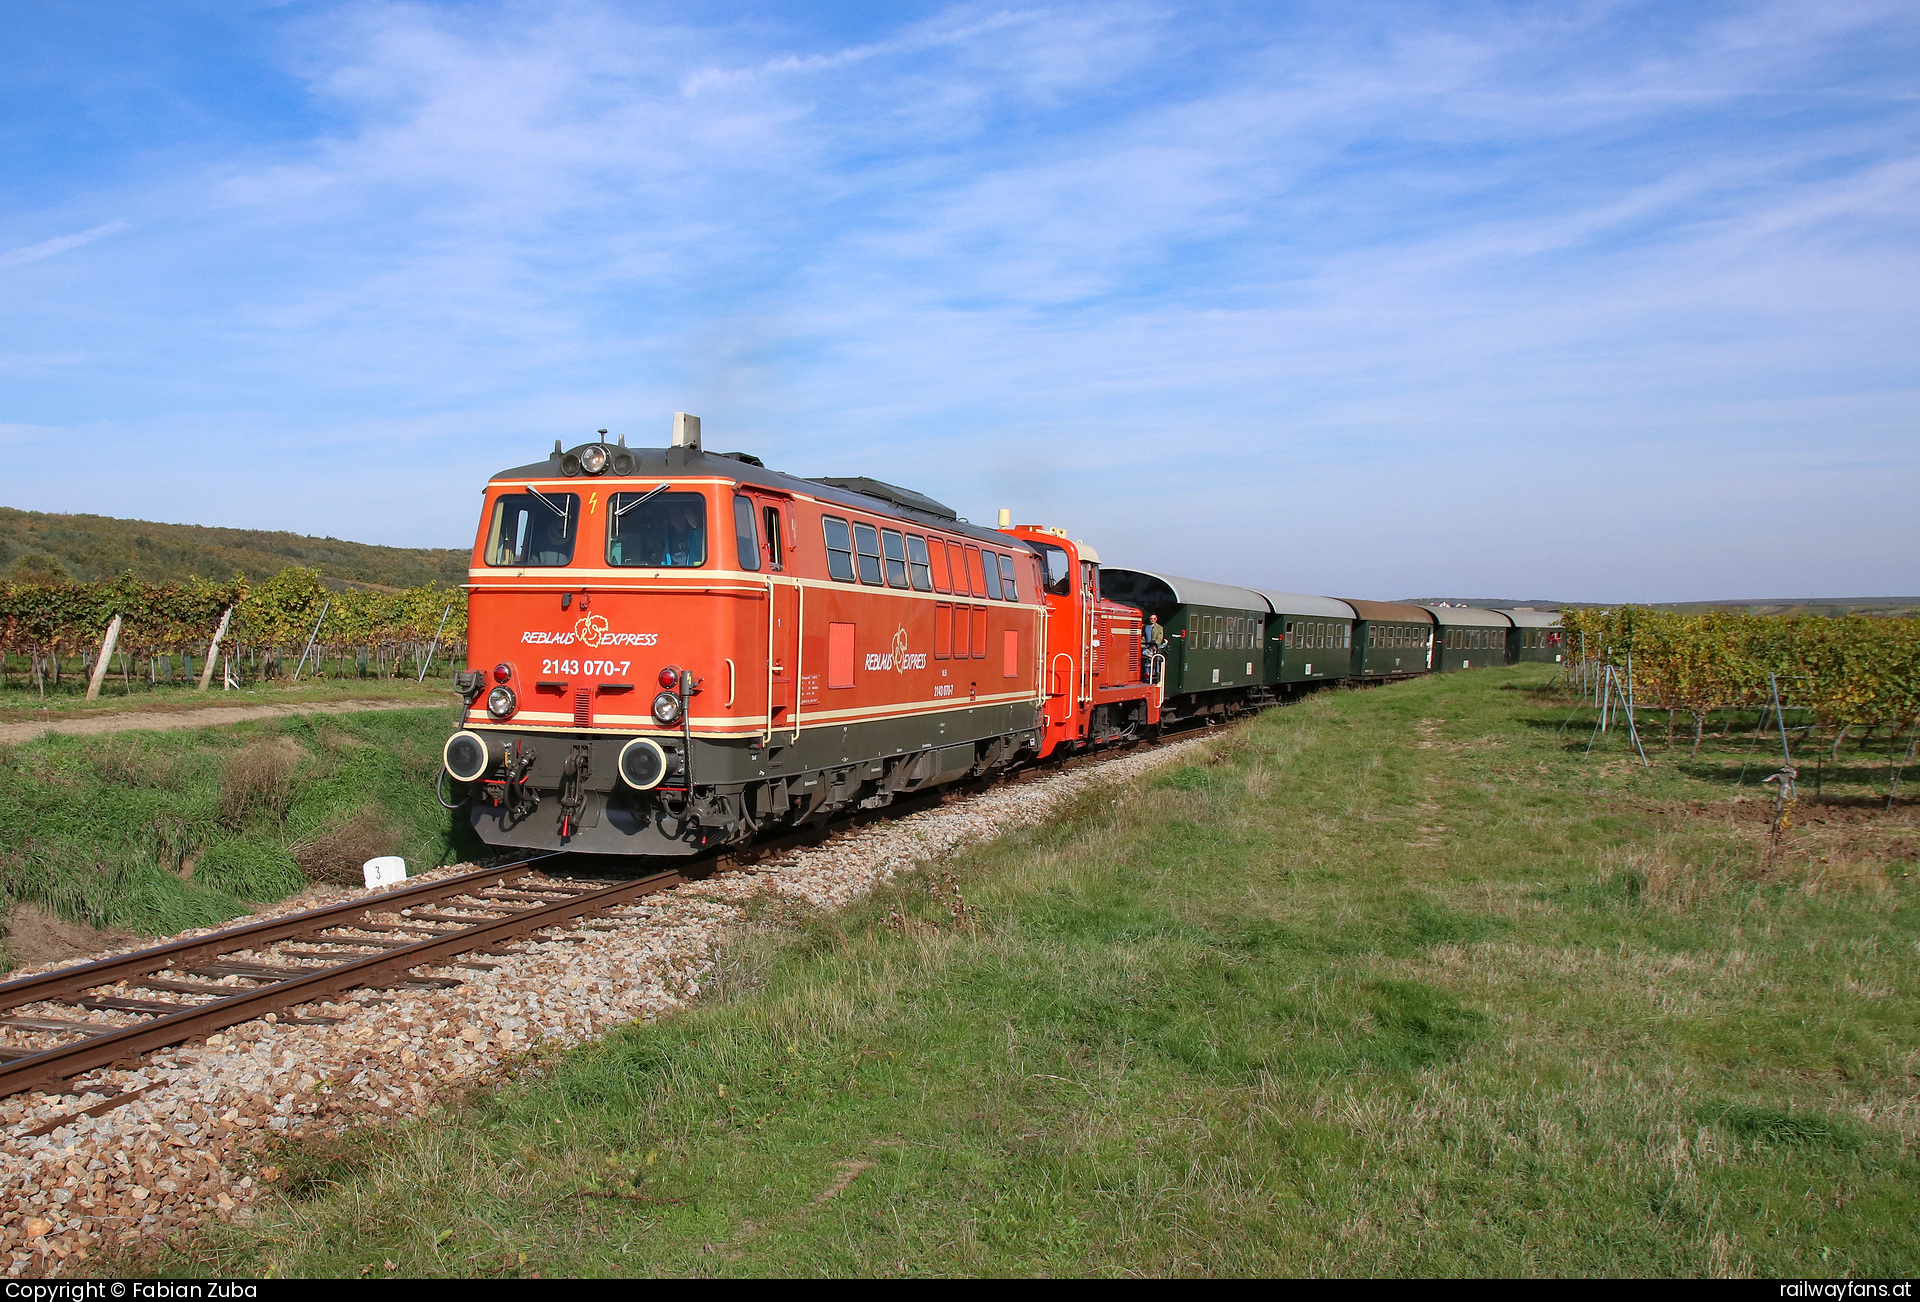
533, 528
657, 529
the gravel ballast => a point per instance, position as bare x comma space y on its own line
190, 1147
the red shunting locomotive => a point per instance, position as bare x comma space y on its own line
684, 648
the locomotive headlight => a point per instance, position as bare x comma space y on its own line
642, 763
501, 702
666, 708
465, 756
594, 459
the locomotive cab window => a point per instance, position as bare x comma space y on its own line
1059, 577
993, 574
533, 528
839, 549
866, 546
657, 529
746, 538
895, 548
776, 545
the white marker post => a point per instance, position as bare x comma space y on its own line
106, 655
213, 649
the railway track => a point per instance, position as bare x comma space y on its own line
189, 989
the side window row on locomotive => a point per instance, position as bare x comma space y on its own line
878, 557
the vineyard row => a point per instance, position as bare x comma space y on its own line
270, 625
1857, 672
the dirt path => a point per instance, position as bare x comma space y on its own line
211, 716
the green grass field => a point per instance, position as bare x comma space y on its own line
154, 832
1394, 982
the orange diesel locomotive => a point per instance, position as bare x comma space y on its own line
679, 649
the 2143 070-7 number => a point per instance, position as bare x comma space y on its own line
585, 667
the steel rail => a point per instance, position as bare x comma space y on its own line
106, 971
63, 1062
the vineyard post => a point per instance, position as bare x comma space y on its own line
1600, 716
1632, 730
436, 641
213, 649
312, 638
1894, 785
1780, 717
106, 658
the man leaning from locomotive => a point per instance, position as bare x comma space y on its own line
1153, 641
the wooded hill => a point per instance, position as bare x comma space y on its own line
36, 545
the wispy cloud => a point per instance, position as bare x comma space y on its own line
58, 244
1194, 281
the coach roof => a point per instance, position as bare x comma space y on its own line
1297, 603
1391, 612
1192, 592
1470, 617
1532, 618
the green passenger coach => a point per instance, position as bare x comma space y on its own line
1391, 640
1467, 637
1536, 637
1309, 639
1214, 632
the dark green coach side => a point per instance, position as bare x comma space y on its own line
1536, 638
1309, 640
1214, 631
1467, 637
1391, 639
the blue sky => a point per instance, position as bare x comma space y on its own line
1593, 301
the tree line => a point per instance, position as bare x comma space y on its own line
381, 633
1854, 674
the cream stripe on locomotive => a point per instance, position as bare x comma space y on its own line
548, 721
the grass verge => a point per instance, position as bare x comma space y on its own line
1395, 982
25, 705
154, 832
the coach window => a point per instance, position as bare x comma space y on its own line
745, 539
1008, 588
657, 529
992, 566
866, 547
533, 528
919, 568
775, 543
895, 547
839, 549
